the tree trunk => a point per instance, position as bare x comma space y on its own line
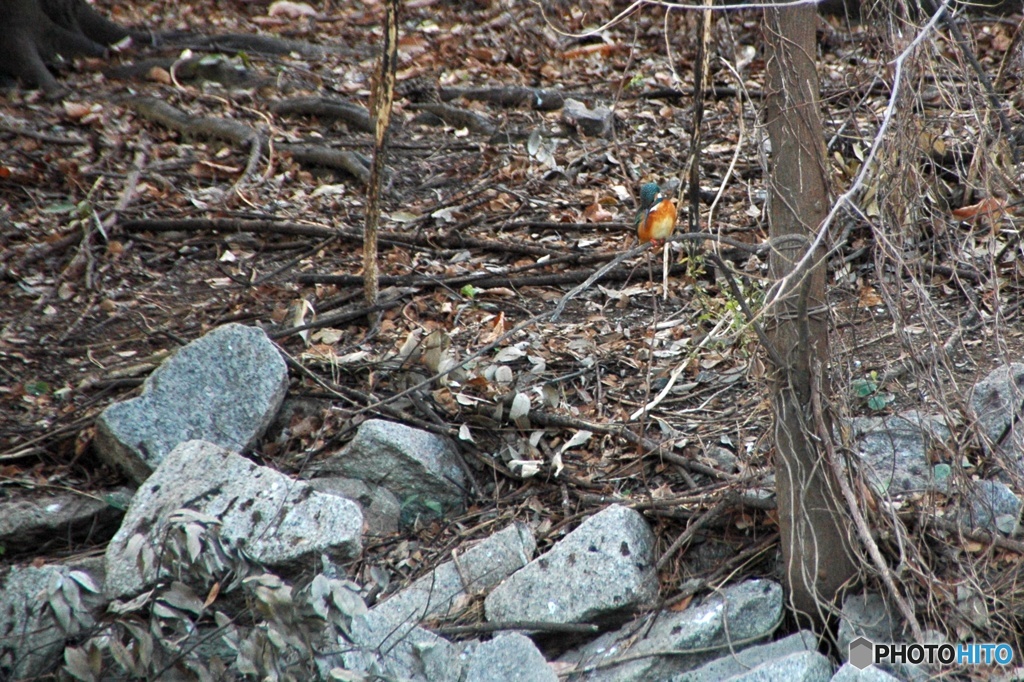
815, 537
35, 32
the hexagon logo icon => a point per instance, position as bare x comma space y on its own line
861, 653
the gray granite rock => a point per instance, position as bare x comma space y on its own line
848, 673
381, 509
804, 666
997, 402
894, 451
991, 506
604, 568
420, 656
743, 660
724, 622
596, 122
41, 608
389, 637
865, 615
276, 520
508, 658
223, 388
40, 521
422, 469
724, 458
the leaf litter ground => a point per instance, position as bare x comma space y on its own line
491, 215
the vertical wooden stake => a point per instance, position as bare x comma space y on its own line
382, 99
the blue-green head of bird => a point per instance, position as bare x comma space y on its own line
649, 192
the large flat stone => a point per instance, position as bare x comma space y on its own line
421, 468
997, 404
720, 624
603, 569
275, 519
804, 666
894, 451
508, 658
739, 661
385, 630
43, 521
848, 673
224, 388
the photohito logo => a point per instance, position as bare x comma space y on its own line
864, 652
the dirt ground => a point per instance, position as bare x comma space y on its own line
483, 229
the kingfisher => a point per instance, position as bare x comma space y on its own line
656, 218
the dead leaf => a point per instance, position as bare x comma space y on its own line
498, 292
682, 604
212, 595
290, 9
511, 353
497, 327
991, 208
526, 467
319, 352
435, 346
158, 74
328, 335
445, 214
868, 298
556, 462
76, 110
411, 344
503, 375
297, 313
596, 213
602, 49
520, 410
579, 438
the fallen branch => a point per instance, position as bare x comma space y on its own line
485, 280
326, 107
351, 162
501, 626
511, 96
240, 134
703, 520
976, 535
271, 226
458, 118
251, 43
190, 126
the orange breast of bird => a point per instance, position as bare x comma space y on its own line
660, 222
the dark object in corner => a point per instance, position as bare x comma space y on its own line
34, 33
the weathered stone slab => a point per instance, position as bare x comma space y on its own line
224, 388
604, 568
388, 626
275, 519
745, 613
421, 468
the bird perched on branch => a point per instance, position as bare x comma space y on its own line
656, 218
